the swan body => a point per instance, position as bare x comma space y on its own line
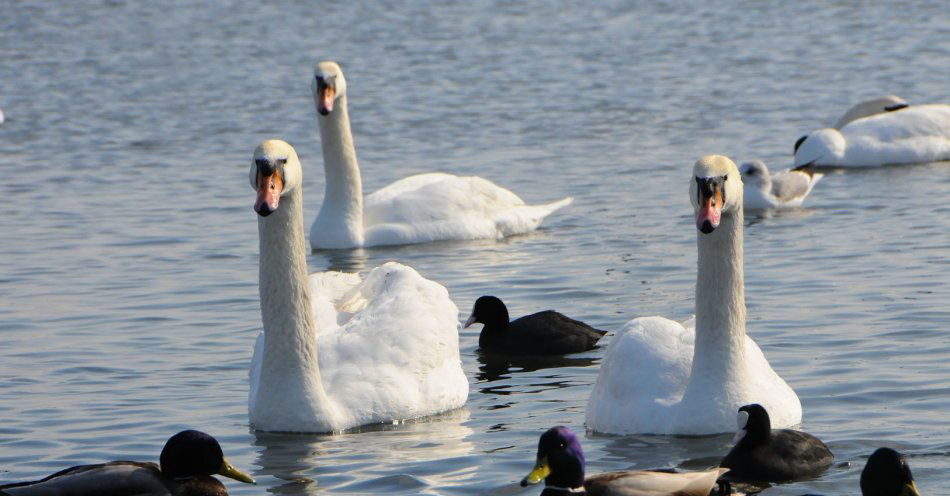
416, 209
783, 189
338, 351
916, 134
662, 377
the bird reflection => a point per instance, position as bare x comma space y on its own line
492, 367
341, 260
290, 457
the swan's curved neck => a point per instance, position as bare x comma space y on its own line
719, 352
342, 211
290, 337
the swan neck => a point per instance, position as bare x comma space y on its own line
720, 298
343, 198
289, 331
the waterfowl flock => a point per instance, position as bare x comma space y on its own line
340, 350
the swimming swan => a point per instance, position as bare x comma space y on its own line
337, 352
654, 380
920, 133
417, 209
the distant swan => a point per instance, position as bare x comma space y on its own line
783, 189
920, 133
653, 378
337, 352
416, 209
869, 107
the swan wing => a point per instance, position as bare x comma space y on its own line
644, 373
396, 356
436, 206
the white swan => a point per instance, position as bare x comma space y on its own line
866, 108
654, 380
417, 209
337, 352
784, 189
920, 133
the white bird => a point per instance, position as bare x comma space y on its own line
920, 133
784, 189
337, 352
417, 209
869, 107
662, 377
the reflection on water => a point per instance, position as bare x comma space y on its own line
493, 367
349, 260
305, 462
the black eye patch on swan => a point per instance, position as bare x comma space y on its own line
707, 187
321, 83
267, 168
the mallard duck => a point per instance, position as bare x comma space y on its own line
763, 455
561, 466
186, 464
887, 474
542, 333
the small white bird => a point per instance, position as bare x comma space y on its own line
784, 189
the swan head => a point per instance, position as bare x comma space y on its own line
328, 85
821, 147
275, 172
716, 190
754, 425
190, 453
488, 310
560, 460
887, 473
756, 174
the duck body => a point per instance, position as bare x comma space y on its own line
187, 462
916, 134
763, 454
417, 209
560, 464
783, 189
120, 478
339, 351
662, 377
543, 333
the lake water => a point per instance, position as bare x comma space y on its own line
128, 259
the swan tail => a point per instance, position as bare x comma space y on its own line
526, 218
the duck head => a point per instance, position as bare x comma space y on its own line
716, 190
328, 86
191, 453
560, 461
488, 310
887, 474
275, 173
754, 426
